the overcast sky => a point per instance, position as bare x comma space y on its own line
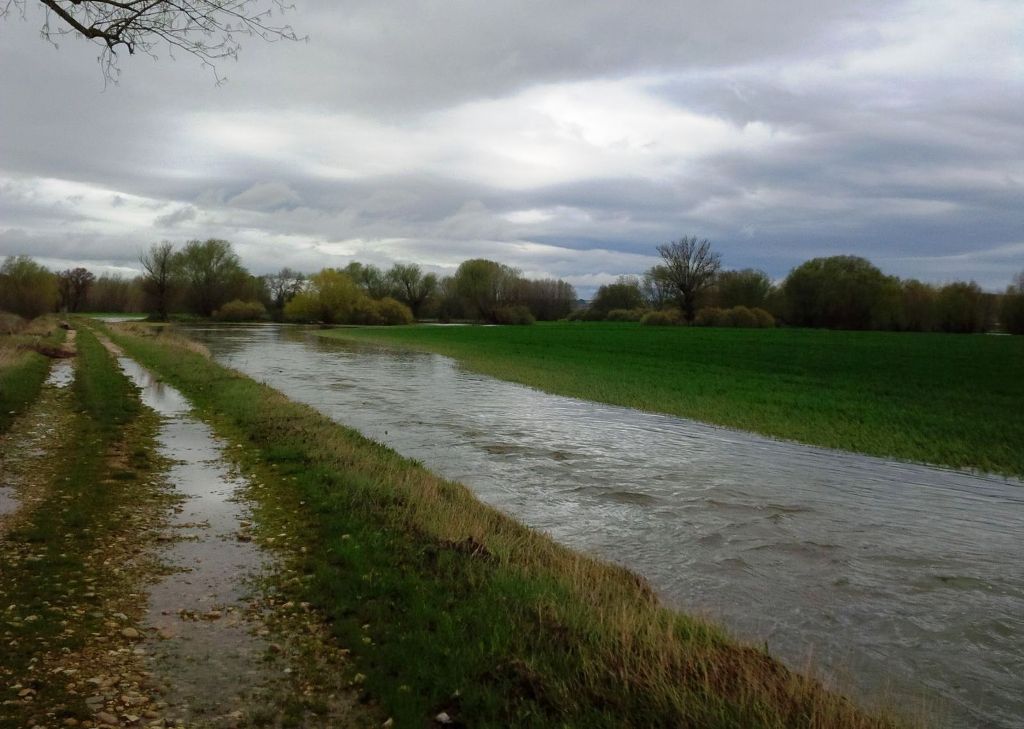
567, 138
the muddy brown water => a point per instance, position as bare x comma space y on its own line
896, 581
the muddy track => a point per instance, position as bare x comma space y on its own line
171, 616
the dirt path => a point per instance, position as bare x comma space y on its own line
27, 450
221, 654
160, 609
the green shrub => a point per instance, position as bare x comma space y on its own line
393, 312
764, 319
710, 316
513, 315
364, 311
740, 317
663, 318
625, 315
239, 310
575, 315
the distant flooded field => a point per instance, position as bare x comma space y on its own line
899, 581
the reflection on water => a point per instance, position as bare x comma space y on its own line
901, 581
215, 664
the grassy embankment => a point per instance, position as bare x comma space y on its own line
55, 561
448, 605
22, 369
951, 400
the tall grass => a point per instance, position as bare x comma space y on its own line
952, 400
22, 369
447, 604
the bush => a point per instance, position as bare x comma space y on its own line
10, 323
625, 315
710, 316
392, 312
576, 315
740, 317
239, 310
663, 318
513, 315
27, 288
764, 319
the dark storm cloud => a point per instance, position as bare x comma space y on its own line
567, 139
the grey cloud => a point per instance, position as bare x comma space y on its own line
266, 196
173, 218
920, 173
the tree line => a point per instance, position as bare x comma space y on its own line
836, 292
689, 286
207, 279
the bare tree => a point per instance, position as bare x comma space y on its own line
691, 267
283, 286
73, 286
210, 30
411, 286
158, 264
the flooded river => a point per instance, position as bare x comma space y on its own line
898, 582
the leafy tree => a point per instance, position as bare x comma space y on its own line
115, 293
27, 288
625, 293
547, 299
73, 287
842, 292
919, 306
158, 278
657, 289
207, 29
691, 267
961, 308
331, 297
410, 286
212, 274
1013, 306
370, 279
748, 287
485, 287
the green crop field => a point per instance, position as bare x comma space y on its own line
951, 400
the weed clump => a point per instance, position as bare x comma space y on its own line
239, 310
663, 318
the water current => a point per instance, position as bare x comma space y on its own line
900, 583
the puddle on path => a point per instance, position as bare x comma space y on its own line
62, 372
27, 447
210, 659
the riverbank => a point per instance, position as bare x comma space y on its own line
452, 610
949, 400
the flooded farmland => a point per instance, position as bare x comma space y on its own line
897, 581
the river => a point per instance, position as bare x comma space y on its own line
899, 583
